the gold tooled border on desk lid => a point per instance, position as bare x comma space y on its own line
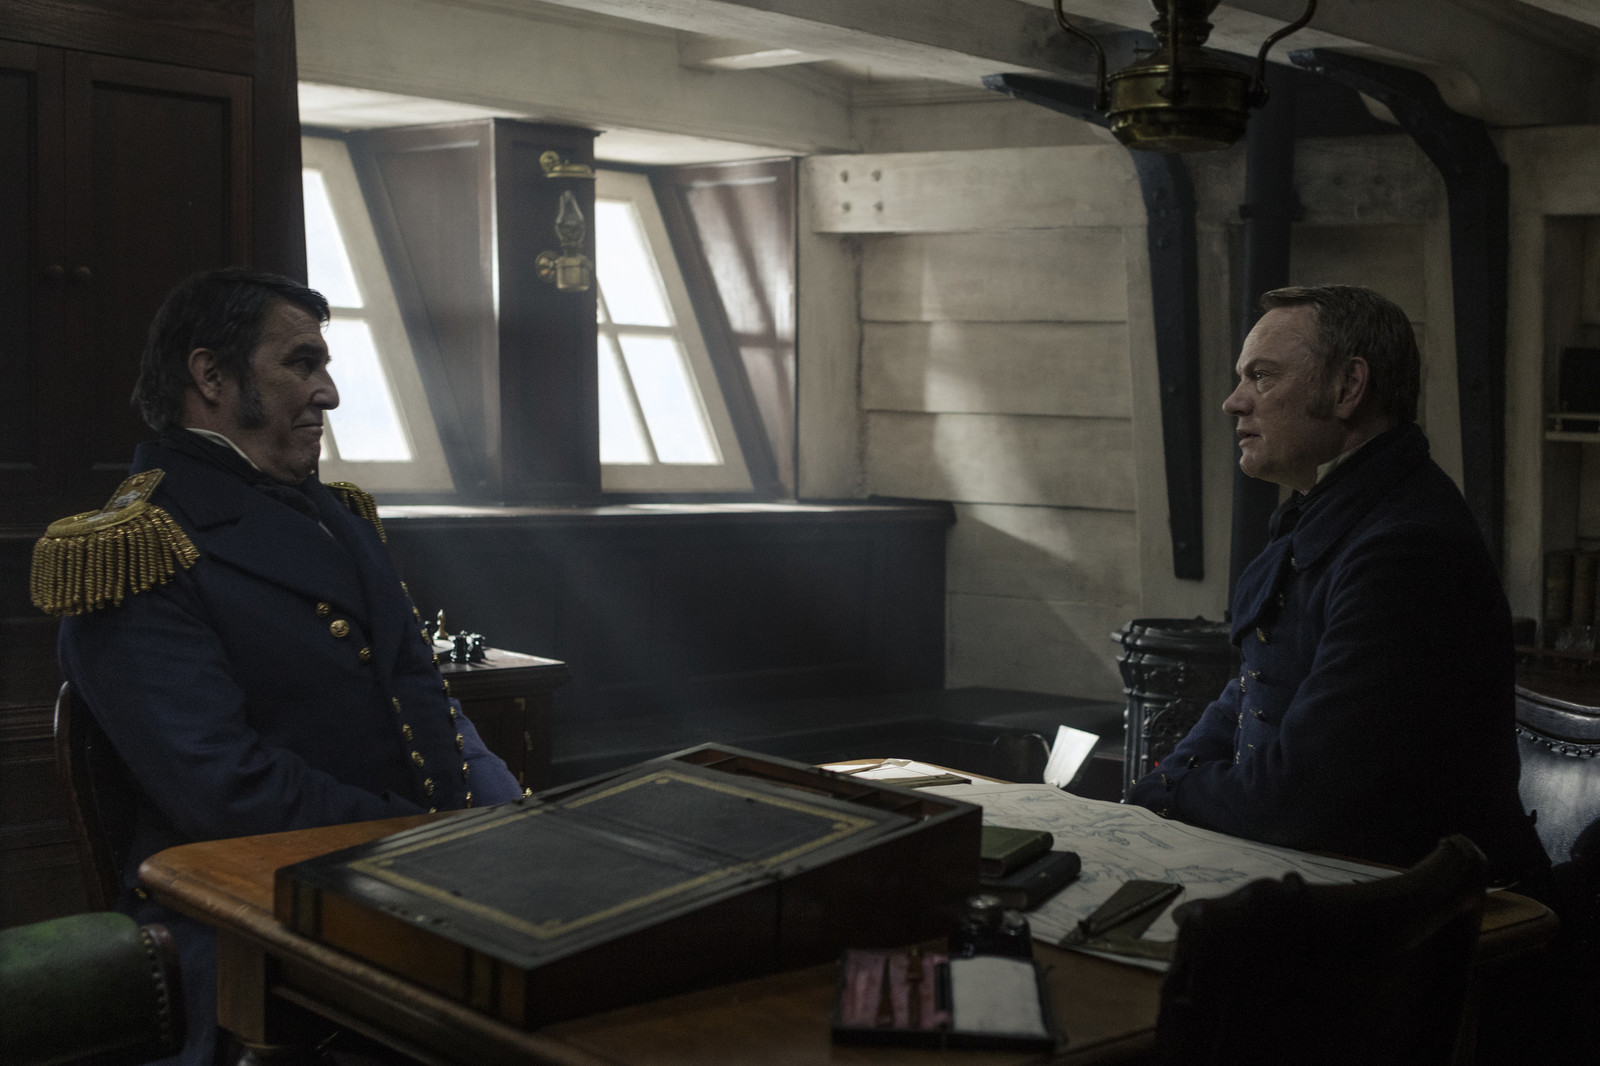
360, 503
842, 824
99, 558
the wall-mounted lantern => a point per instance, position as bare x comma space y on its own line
569, 269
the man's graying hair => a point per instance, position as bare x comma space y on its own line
1352, 321
223, 310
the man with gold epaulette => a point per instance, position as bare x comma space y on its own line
234, 625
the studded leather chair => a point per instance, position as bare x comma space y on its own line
1289, 973
90, 988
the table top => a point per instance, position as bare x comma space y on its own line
1105, 1010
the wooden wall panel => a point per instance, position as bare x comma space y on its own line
1035, 645
1005, 188
1063, 462
1047, 553
658, 610
1056, 275
1388, 258
1030, 368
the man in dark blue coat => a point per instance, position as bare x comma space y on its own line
256, 663
1373, 712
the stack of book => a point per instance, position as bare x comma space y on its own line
1018, 866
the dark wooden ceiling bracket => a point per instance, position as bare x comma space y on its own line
1174, 293
1477, 188
1271, 207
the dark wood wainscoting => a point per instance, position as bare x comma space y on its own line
662, 609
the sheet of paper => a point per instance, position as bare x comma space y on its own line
1119, 843
1071, 747
888, 769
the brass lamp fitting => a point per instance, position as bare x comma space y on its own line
1182, 97
569, 269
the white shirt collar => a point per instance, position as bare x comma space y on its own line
213, 435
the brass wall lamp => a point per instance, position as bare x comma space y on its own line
569, 269
1182, 97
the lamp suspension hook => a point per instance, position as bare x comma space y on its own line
1258, 95
1173, 89
1099, 56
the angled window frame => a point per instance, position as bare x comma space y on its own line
732, 474
427, 470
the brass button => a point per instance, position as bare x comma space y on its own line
405, 731
424, 632
1261, 634
396, 701
365, 655
460, 740
324, 609
436, 659
454, 714
416, 613
339, 627
416, 757
466, 771
433, 810
446, 687
427, 785
469, 798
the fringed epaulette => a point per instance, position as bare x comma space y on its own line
98, 558
360, 503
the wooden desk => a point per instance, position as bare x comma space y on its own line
273, 977
508, 698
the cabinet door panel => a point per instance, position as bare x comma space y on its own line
158, 173
30, 244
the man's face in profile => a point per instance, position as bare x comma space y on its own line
1284, 410
275, 413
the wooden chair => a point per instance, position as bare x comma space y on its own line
1290, 973
99, 798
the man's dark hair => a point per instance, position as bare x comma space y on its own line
1352, 321
223, 310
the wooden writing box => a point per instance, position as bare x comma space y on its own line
710, 865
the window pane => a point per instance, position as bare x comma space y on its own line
627, 272
621, 436
366, 427
327, 262
669, 401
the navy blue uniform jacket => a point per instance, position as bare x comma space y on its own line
1373, 712
280, 683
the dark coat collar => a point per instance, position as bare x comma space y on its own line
239, 524
1329, 512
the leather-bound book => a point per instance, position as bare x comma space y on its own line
698, 868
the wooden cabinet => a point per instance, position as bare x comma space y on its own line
121, 177
138, 143
508, 697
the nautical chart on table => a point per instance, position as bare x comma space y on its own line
1118, 843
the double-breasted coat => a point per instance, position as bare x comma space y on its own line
1373, 712
282, 681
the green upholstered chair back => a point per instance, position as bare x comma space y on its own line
89, 988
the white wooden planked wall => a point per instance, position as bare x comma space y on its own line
1005, 362
994, 373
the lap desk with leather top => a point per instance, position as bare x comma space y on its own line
484, 992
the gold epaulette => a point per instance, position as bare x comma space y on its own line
130, 545
360, 503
